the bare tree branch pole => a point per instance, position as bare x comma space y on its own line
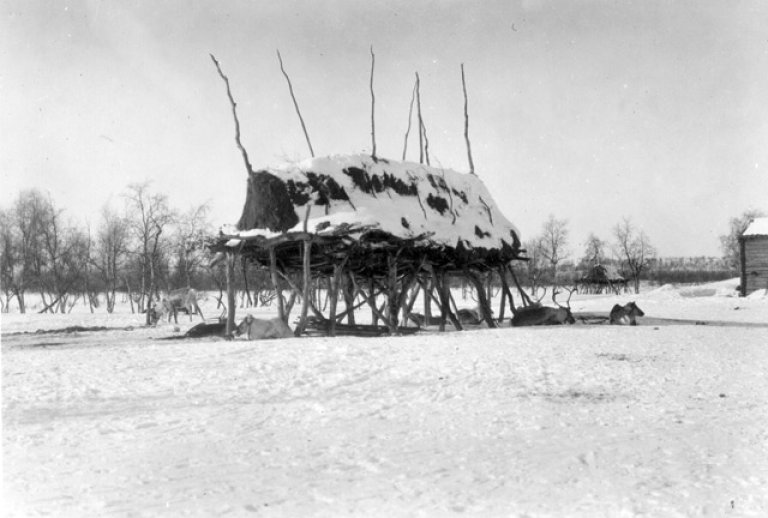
410, 115
296, 105
373, 106
234, 113
418, 111
466, 122
423, 141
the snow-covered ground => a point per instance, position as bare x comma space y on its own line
653, 420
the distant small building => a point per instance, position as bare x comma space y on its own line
753, 246
602, 279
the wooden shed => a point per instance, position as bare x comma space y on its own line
753, 246
603, 279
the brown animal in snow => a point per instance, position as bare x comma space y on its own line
545, 315
258, 329
207, 329
625, 315
469, 316
421, 321
184, 299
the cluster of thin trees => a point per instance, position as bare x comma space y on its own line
134, 252
631, 250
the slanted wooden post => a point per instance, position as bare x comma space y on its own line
443, 289
230, 328
523, 295
428, 285
506, 294
374, 313
483, 302
334, 296
305, 293
349, 297
276, 283
394, 304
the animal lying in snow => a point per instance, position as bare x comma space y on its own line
204, 329
469, 316
421, 321
542, 316
545, 315
259, 329
625, 315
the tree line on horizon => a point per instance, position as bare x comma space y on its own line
148, 247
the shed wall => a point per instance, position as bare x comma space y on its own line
755, 264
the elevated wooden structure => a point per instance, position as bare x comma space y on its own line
370, 229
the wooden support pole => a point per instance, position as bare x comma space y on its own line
373, 106
410, 116
374, 310
276, 283
466, 123
248, 167
230, 327
394, 300
334, 297
443, 289
483, 302
523, 295
306, 289
428, 300
296, 105
350, 292
506, 294
371, 300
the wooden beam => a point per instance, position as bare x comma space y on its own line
335, 280
276, 283
230, 327
482, 298
306, 292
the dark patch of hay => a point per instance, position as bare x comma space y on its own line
400, 187
437, 203
267, 204
481, 233
297, 192
460, 194
359, 178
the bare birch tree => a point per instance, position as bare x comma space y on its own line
148, 218
634, 248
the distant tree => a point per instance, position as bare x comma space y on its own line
149, 218
30, 214
110, 253
64, 251
593, 250
8, 258
189, 242
553, 243
729, 243
535, 266
635, 250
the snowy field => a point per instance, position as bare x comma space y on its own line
656, 420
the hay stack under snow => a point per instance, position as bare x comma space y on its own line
375, 203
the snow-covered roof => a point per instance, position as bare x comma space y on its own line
404, 199
759, 227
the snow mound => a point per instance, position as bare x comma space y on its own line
758, 295
667, 291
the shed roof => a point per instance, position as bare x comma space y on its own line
758, 227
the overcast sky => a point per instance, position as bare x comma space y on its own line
589, 110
